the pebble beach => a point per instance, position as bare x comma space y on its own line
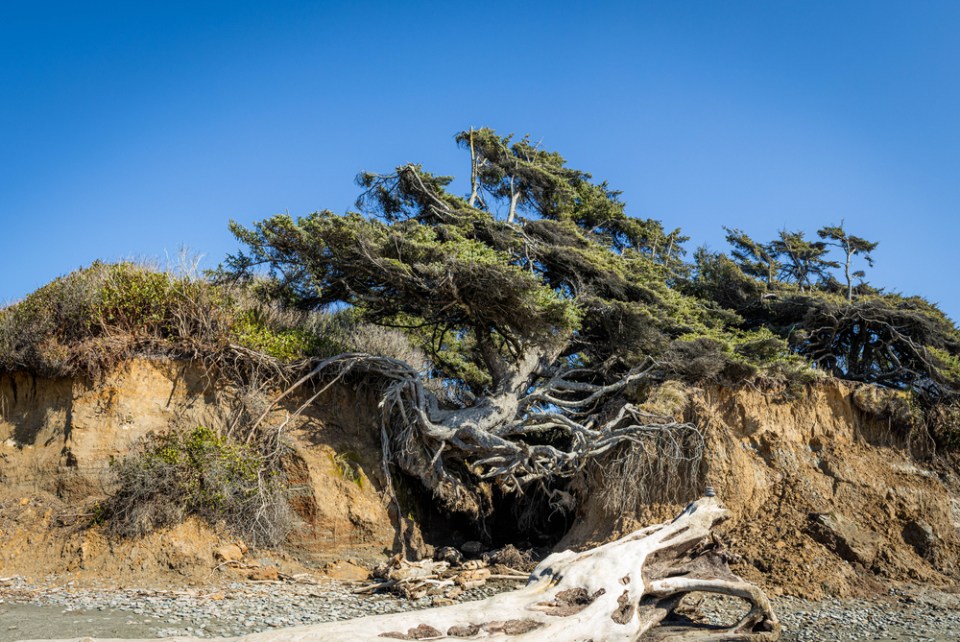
241, 608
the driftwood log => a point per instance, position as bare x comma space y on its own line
620, 591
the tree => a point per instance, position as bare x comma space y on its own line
850, 245
898, 342
540, 331
802, 260
756, 259
536, 327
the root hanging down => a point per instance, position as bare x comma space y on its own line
535, 428
618, 592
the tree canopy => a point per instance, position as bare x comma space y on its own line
541, 304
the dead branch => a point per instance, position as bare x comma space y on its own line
618, 591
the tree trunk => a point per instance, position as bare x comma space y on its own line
846, 272
620, 591
473, 172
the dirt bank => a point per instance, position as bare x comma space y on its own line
58, 436
831, 491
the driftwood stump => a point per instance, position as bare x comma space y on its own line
620, 591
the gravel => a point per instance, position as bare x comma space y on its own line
231, 610
914, 613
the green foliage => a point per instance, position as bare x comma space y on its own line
85, 321
947, 363
719, 281
199, 473
134, 299
570, 274
74, 322
253, 331
455, 293
725, 355
802, 261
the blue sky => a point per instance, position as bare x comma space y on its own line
129, 129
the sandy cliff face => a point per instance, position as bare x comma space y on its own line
829, 491
58, 435
829, 494
57, 438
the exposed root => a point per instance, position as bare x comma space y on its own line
536, 429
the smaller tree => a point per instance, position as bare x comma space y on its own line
754, 258
802, 260
850, 245
520, 173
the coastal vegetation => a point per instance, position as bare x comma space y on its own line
511, 333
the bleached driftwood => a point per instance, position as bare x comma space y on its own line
619, 591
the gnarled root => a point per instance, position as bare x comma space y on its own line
620, 591
499, 438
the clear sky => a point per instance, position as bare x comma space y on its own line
129, 129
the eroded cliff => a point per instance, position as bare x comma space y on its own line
831, 491
58, 437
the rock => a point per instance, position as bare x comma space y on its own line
472, 579
512, 557
415, 570
230, 552
919, 534
264, 573
467, 631
845, 537
472, 549
346, 570
448, 554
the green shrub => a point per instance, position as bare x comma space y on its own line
253, 331
135, 299
34, 333
82, 321
199, 473
86, 321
